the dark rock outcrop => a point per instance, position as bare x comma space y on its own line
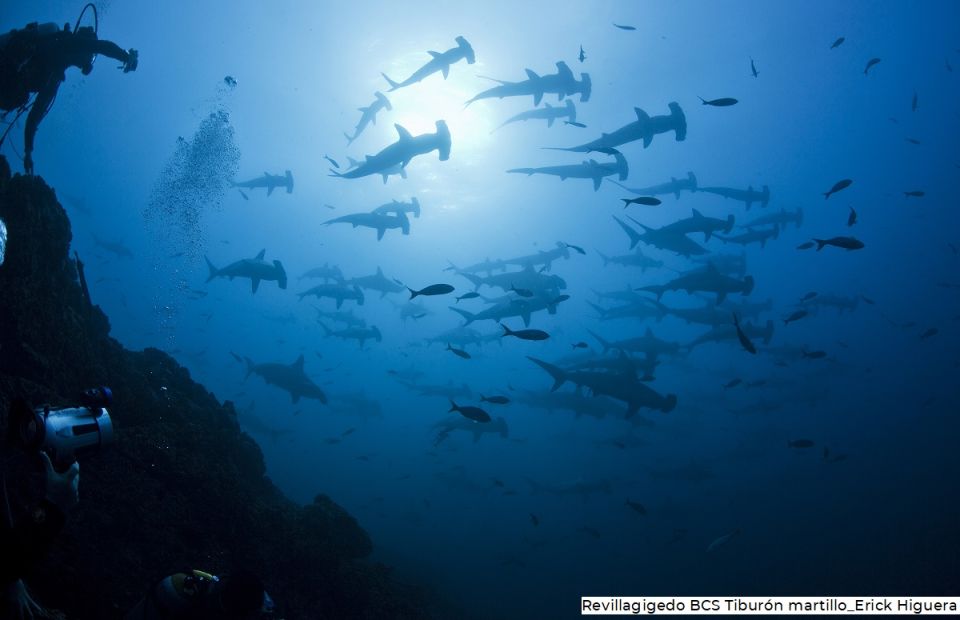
183, 487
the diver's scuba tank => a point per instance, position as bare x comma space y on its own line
65, 432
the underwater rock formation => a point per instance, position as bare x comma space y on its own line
183, 486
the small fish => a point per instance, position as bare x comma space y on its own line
722, 102
753, 68
349, 431
838, 43
624, 27
757, 383
814, 355
331, 207
933, 331
946, 63
732, 383
744, 341
893, 120
580, 345
497, 483
471, 413
867, 300
229, 81
870, 63
914, 194
329, 159
245, 197
458, 352
582, 55
796, 316
433, 289
847, 243
522, 292
913, 141
592, 531
913, 104
575, 124
723, 540
637, 507
575, 248
470, 295
809, 296
800, 443
839, 185
806, 246
953, 248
496, 400
852, 218
524, 334
641, 200
534, 520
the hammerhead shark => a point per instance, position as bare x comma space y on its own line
270, 181
620, 387
378, 221
398, 207
254, 268
708, 280
562, 83
548, 112
673, 186
369, 115
644, 128
439, 62
661, 238
589, 169
402, 151
288, 377
395, 170
747, 196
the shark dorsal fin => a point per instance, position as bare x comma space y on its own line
642, 116
260, 255
379, 272
697, 213
404, 134
564, 70
434, 54
298, 365
532, 74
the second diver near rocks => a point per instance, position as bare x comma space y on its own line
34, 59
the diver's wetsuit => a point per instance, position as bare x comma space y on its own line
35, 59
26, 543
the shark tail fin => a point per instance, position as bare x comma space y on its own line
214, 272
631, 232
604, 343
557, 373
393, 85
468, 316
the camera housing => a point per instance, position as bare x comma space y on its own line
65, 433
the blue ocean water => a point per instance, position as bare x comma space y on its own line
556, 503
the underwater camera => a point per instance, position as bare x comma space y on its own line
67, 432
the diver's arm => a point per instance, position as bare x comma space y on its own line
37, 111
112, 50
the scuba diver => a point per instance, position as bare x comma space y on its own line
199, 595
34, 59
24, 543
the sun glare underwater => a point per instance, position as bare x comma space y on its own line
555, 299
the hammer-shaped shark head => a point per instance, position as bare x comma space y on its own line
468, 53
